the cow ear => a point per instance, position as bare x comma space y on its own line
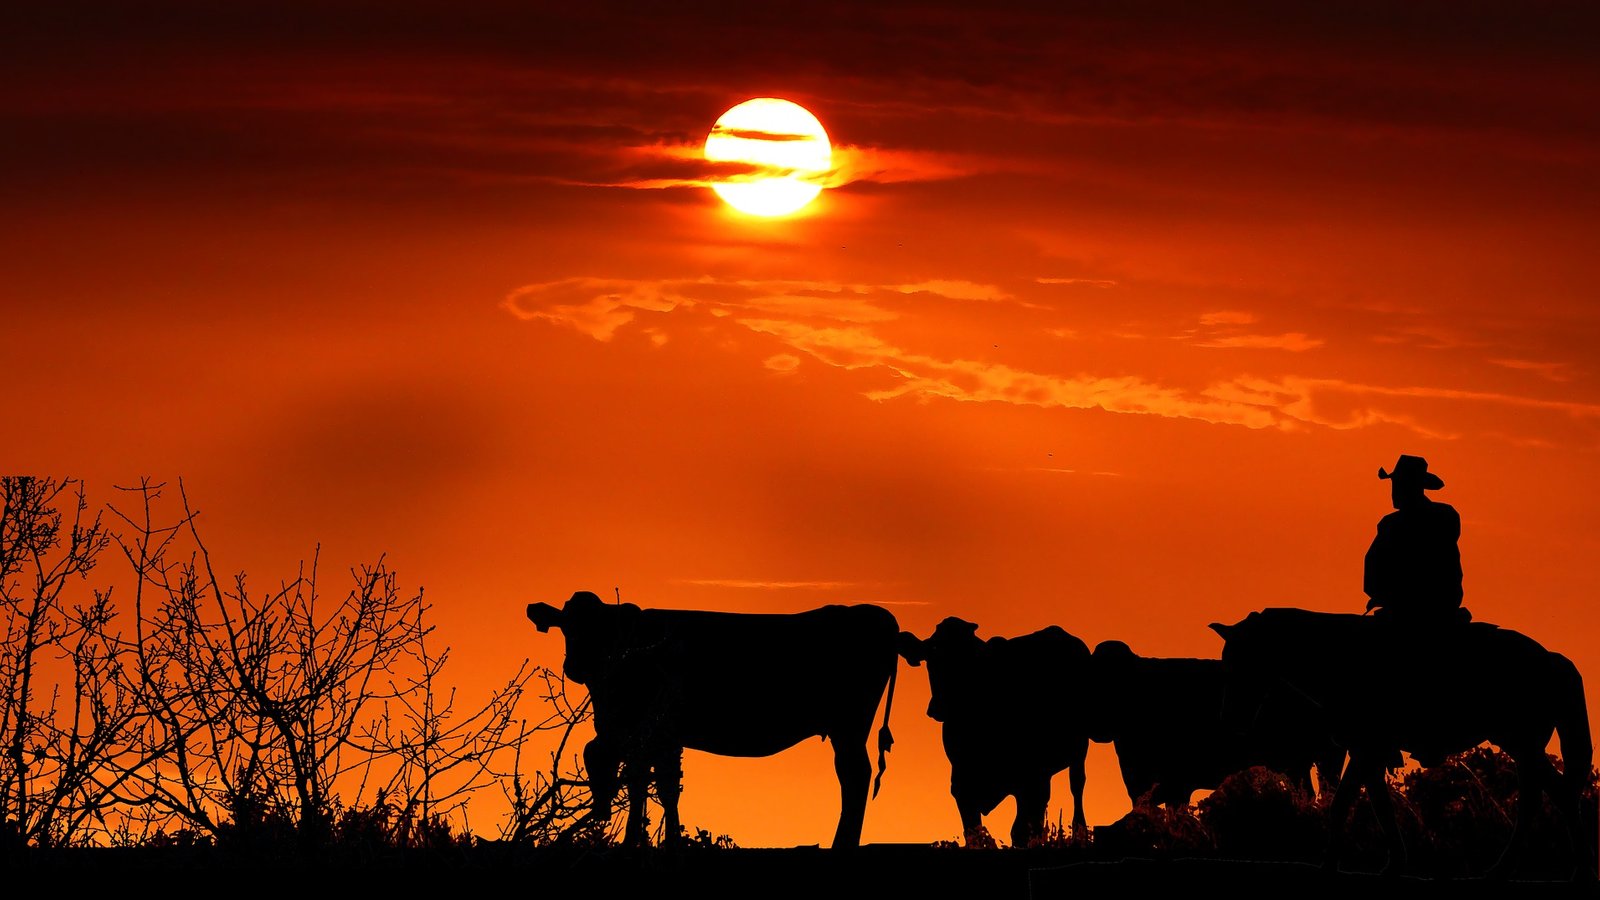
1221, 629
544, 616
911, 648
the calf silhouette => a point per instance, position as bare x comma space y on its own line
1010, 708
732, 684
1165, 718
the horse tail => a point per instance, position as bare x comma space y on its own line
886, 740
1572, 724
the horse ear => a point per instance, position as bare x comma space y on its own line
1221, 629
911, 648
544, 616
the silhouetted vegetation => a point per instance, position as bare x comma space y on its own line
193, 710
1456, 818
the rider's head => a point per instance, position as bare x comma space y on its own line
1408, 481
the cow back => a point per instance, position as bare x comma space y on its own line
741, 684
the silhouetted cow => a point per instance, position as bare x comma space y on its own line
1011, 719
732, 684
1165, 718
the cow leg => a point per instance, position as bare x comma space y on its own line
600, 762
638, 774
854, 768
669, 785
1080, 826
971, 815
1032, 802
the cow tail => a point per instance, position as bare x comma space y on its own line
1572, 723
885, 739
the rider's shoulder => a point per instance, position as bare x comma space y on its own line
1444, 511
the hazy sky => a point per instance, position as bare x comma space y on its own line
1108, 322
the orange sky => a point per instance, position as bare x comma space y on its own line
1109, 323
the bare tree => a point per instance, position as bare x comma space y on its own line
440, 759
553, 804
214, 708
263, 705
61, 718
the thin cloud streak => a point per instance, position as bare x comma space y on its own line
1294, 342
756, 584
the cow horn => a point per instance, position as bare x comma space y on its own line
1221, 629
544, 616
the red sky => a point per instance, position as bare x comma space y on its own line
1109, 322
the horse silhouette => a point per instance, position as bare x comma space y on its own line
1012, 719
732, 684
1382, 689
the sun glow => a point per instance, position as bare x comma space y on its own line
785, 146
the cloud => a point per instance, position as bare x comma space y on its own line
1227, 317
756, 584
683, 165
595, 306
1224, 331
782, 363
955, 290
973, 381
598, 307
1294, 341
846, 325
1552, 371
1086, 282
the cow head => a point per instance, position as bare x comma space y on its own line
954, 672
598, 634
1112, 670
1244, 686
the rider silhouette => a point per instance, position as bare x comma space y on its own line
1413, 568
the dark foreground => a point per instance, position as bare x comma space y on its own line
888, 871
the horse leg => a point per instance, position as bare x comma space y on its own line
1567, 794
854, 768
1328, 767
1339, 812
1533, 774
1378, 792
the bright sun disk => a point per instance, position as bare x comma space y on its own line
777, 136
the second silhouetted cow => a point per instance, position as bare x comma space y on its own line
1011, 719
733, 684
1164, 716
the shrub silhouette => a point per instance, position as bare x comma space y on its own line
1260, 814
1154, 831
1469, 807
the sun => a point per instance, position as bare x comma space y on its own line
785, 145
